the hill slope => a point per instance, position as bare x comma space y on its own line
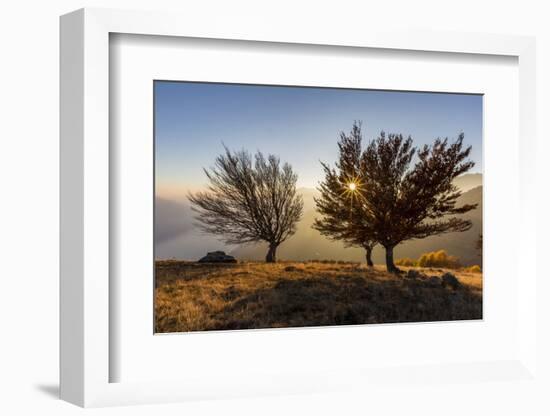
199, 297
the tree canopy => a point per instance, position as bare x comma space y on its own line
400, 192
249, 199
340, 202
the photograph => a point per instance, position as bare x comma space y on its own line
291, 206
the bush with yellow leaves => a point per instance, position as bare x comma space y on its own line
439, 259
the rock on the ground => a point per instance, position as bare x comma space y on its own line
217, 257
450, 280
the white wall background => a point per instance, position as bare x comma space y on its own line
29, 184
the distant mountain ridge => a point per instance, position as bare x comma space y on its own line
176, 236
469, 181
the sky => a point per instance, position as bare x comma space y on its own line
300, 125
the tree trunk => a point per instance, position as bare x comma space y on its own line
368, 256
271, 256
390, 266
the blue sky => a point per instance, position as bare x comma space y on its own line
300, 125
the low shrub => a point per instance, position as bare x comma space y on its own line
473, 269
438, 259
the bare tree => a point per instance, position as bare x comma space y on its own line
377, 195
404, 202
340, 202
249, 201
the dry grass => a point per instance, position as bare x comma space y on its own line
198, 297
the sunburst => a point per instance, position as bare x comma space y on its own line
352, 190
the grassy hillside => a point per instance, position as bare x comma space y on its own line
195, 297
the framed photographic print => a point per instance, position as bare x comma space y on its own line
281, 212
268, 216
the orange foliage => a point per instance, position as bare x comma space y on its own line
439, 259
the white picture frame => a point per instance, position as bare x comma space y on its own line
85, 354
